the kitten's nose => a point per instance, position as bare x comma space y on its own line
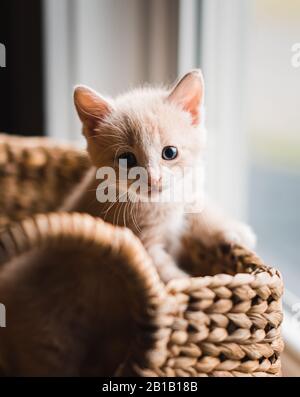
154, 178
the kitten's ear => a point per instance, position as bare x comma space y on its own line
189, 93
91, 107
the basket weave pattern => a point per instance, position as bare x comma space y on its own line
215, 325
35, 175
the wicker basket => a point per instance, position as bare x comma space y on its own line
223, 321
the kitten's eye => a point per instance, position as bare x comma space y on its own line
169, 153
130, 157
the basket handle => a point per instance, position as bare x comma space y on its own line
149, 304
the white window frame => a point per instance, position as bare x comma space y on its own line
59, 69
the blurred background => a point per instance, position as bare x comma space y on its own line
246, 50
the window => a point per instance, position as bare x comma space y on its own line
248, 52
273, 126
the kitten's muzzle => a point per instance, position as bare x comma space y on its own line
154, 183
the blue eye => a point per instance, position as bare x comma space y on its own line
130, 157
169, 153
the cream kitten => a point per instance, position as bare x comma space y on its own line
162, 131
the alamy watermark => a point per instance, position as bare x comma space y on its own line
2, 56
136, 185
295, 59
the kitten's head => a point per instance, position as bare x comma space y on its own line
159, 130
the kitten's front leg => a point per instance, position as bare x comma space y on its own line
165, 264
213, 227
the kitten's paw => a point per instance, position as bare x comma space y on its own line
168, 274
238, 233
